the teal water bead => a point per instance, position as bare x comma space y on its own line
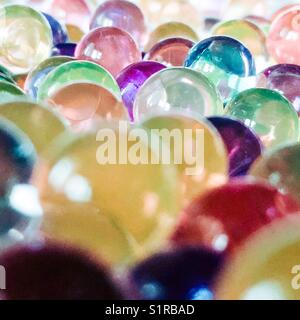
180, 89
225, 61
9, 91
268, 113
77, 71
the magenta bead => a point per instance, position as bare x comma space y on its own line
284, 78
110, 47
122, 14
243, 146
172, 51
132, 78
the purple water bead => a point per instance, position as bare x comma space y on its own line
182, 274
284, 78
243, 146
59, 31
132, 78
64, 49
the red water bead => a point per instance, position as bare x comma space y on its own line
224, 217
110, 47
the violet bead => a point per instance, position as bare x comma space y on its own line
284, 78
59, 31
132, 78
243, 146
183, 274
64, 49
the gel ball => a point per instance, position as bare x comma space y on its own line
261, 22
84, 103
225, 61
36, 75
9, 91
171, 30
19, 80
76, 71
59, 32
266, 267
281, 169
26, 38
132, 78
76, 12
122, 14
39, 123
268, 113
110, 47
184, 274
284, 35
64, 49
197, 150
79, 206
284, 78
171, 51
243, 146
177, 89
223, 218
55, 272
248, 34
75, 33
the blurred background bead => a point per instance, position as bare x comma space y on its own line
268, 113
225, 217
243, 146
225, 62
64, 49
56, 272
132, 78
184, 274
26, 38
75, 33
280, 168
171, 30
177, 89
99, 44
122, 14
171, 51
284, 78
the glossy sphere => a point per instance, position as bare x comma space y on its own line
36, 76
55, 272
225, 217
112, 48
19, 220
284, 78
64, 49
83, 103
266, 267
76, 12
9, 91
243, 146
59, 31
120, 220
122, 14
171, 52
132, 78
75, 33
76, 71
177, 89
268, 113
281, 169
171, 30
263, 23
184, 274
158, 12
284, 36
40, 124
248, 34
196, 175
225, 61
26, 38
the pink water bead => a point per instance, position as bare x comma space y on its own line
122, 14
110, 47
284, 37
